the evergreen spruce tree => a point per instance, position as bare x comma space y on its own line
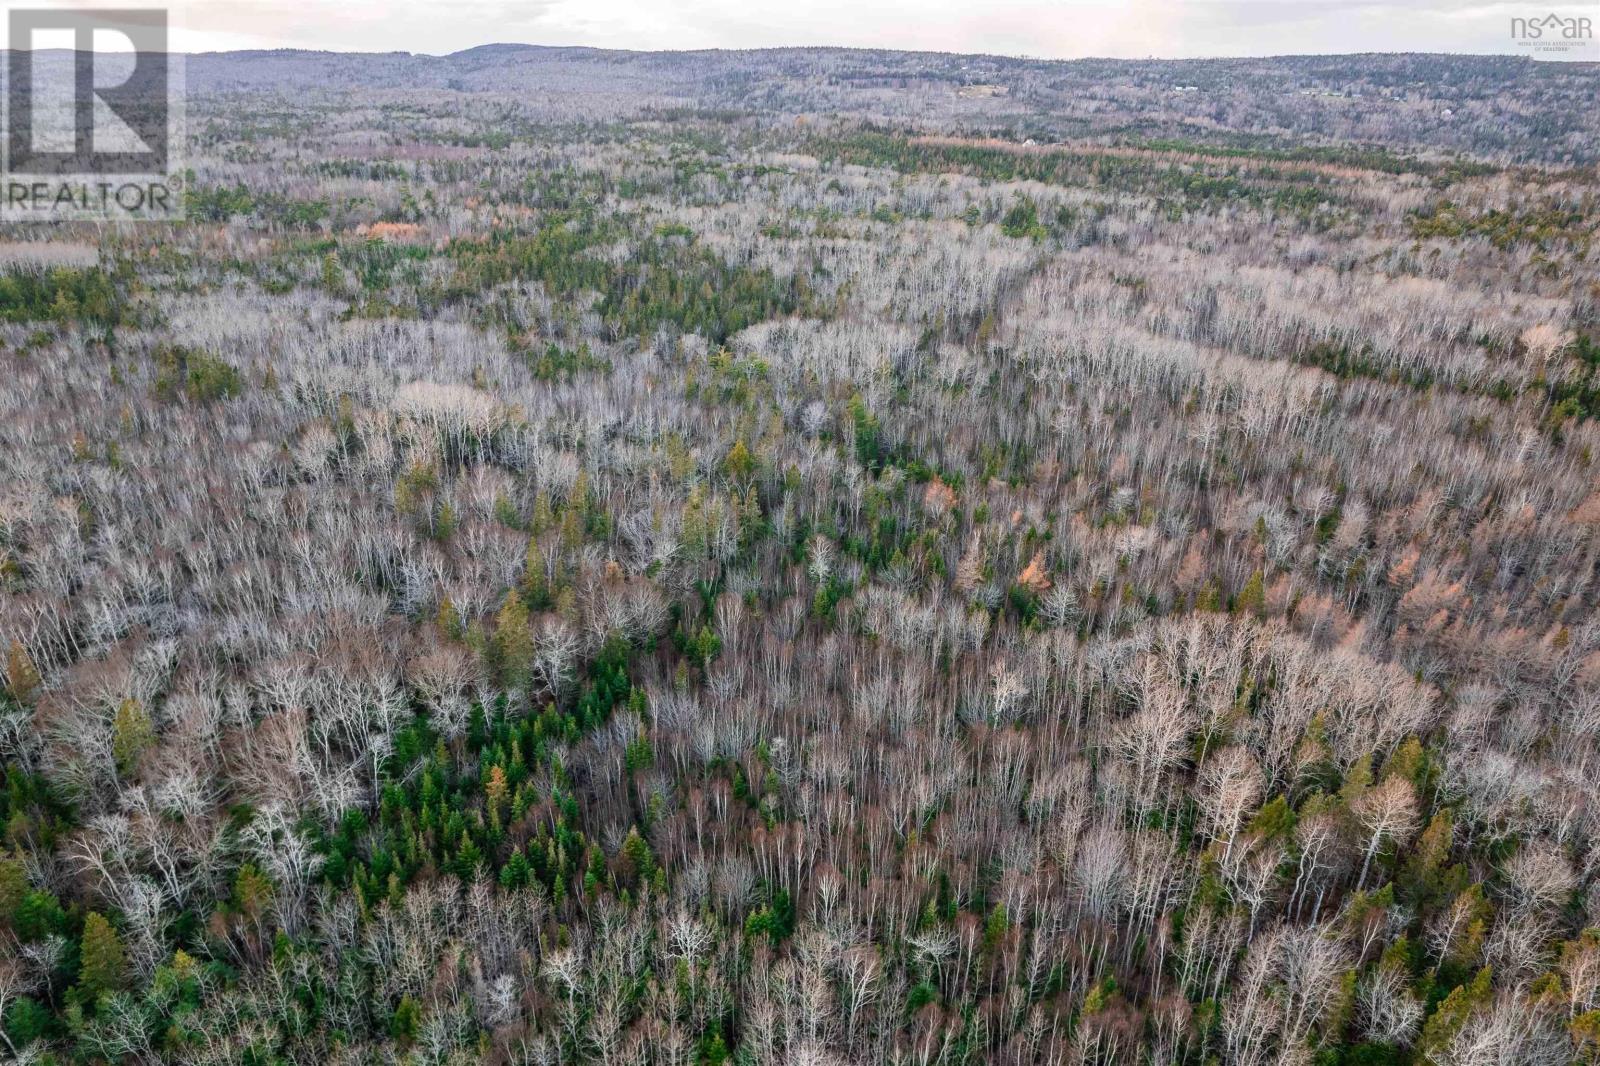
103, 962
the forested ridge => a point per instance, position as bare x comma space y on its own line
628, 576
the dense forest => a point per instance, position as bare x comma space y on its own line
830, 558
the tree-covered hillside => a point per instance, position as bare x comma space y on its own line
770, 567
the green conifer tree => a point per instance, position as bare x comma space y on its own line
103, 962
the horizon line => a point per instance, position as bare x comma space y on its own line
1013, 56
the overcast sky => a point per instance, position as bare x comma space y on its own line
1050, 28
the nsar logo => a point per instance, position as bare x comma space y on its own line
1556, 36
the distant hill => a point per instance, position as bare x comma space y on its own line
1496, 106
1506, 108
